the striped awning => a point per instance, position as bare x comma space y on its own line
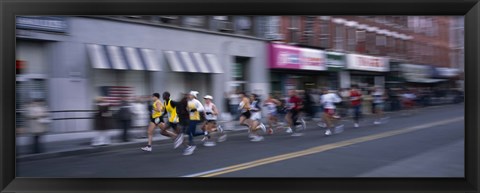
193, 62
122, 58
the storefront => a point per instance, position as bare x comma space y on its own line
297, 68
107, 57
36, 38
336, 64
367, 71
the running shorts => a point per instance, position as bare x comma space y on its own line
330, 112
246, 114
157, 120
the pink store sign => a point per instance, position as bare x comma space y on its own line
290, 57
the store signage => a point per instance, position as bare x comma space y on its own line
335, 60
367, 63
290, 57
53, 24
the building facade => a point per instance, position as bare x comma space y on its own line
112, 56
379, 50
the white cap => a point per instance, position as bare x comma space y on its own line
194, 93
208, 97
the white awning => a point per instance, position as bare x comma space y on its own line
122, 58
193, 62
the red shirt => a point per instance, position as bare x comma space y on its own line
357, 101
295, 102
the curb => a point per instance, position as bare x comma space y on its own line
91, 150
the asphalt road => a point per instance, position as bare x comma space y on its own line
429, 143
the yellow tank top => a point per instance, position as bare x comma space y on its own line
193, 115
171, 112
155, 113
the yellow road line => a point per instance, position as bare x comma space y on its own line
323, 148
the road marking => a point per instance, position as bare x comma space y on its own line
319, 149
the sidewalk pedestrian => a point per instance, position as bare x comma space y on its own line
140, 115
235, 99
38, 122
103, 122
125, 117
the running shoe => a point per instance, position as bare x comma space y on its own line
209, 144
257, 139
251, 135
297, 134
376, 122
262, 126
328, 132
289, 130
178, 141
220, 128
222, 138
356, 125
146, 148
304, 124
189, 150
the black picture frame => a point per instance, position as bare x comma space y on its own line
10, 8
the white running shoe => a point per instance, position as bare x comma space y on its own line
220, 128
251, 135
257, 139
304, 124
289, 130
209, 144
376, 122
297, 134
356, 125
189, 150
146, 148
178, 141
222, 138
328, 132
264, 129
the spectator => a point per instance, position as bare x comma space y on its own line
103, 118
38, 122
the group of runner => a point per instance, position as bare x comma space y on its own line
184, 116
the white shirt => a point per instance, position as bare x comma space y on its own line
235, 99
377, 97
209, 109
329, 100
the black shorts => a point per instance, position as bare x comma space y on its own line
172, 125
183, 122
246, 114
157, 121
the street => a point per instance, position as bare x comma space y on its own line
429, 143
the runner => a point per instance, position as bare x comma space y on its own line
155, 121
211, 113
196, 110
328, 100
294, 106
272, 107
356, 103
173, 119
245, 113
256, 119
378, 104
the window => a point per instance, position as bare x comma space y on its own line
381, 40
194, 21
294, 27
370, 41
339, 37
325, 34
222, 24
351, 39
243, 25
